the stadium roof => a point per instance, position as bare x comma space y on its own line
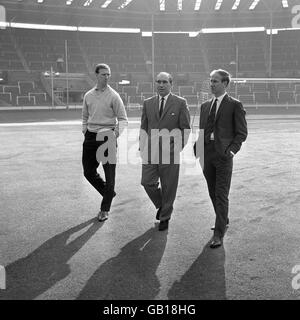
167, 14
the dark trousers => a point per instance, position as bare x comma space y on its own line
218, 172
162, 197
90, 165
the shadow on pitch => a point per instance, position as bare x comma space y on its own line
29, 277
204, 280
131, 274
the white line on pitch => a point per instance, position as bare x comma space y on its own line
52, 123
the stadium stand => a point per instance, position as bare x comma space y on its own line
26, 101
130, 56
259, 87
247, 98
262, 97
244, 89
25, 86
186, 90
135, 101
192, 100
40, 98
130, 90
124, 98
286, 97
5, 98
144, 87
147, 95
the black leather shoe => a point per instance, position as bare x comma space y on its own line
216, 242
163, 225
158, 213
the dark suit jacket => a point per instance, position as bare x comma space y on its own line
175, 116
230, 128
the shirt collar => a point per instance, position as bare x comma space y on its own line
165, 97
220, 98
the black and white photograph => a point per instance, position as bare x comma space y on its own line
149, 153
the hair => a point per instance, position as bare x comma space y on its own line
224, 74
170, 78
101, 66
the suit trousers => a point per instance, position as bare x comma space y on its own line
162, 196
90, 165
217, 172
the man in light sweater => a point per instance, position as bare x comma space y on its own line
103, 116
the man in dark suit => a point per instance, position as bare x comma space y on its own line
165, 128
225, 128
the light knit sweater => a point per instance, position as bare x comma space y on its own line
103, 110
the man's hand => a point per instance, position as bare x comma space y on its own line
229, 154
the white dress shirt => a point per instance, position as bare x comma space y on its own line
165, 100
220, 98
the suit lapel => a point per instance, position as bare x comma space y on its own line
156, 107
205, 114
167, 106
221, 107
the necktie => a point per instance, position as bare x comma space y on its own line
161, 108
209, 128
